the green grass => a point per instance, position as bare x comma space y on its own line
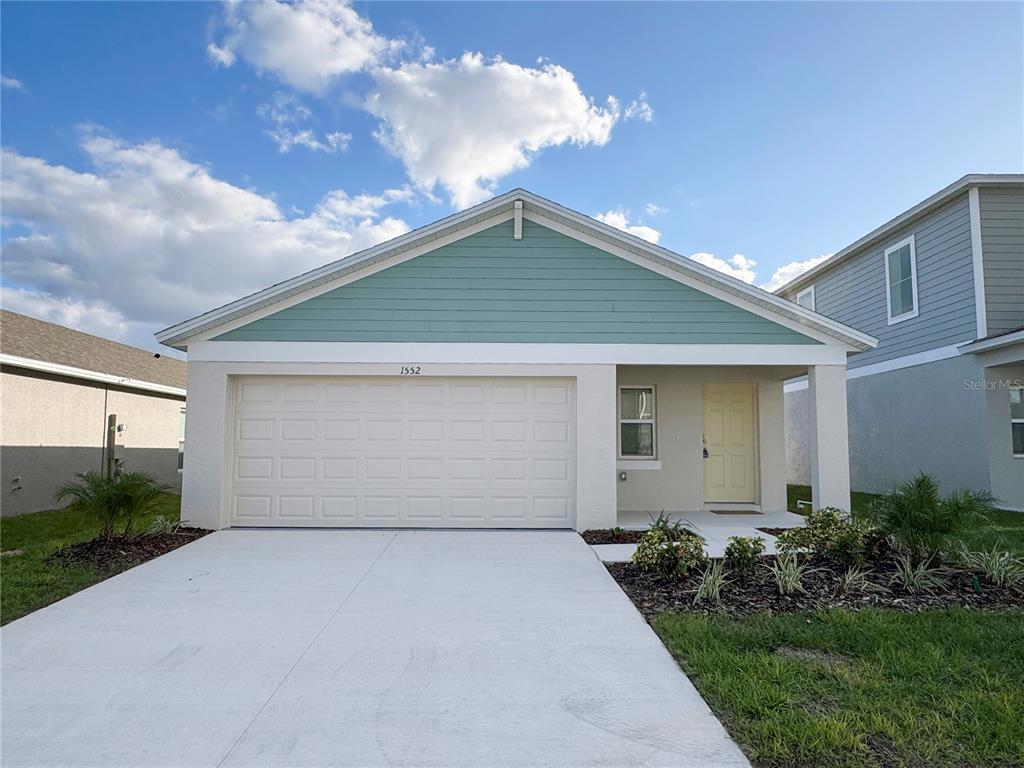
27, 581
858, 500
873, 688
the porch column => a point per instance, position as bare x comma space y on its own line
829, 439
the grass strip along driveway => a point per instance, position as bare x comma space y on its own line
30, 579
867, 688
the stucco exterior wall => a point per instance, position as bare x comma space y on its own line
925, 418
52, 427
677, 482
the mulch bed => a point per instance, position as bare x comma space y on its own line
119, 554
773, 531
653, 594
611, 536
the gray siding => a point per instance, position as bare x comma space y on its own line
927, 418
1002, 243
853, 292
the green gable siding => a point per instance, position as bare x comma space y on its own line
489, 287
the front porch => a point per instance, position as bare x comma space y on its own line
707, 444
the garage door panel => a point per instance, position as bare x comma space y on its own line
332, 451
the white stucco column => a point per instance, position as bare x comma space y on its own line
829, 437
596, 448
202, 487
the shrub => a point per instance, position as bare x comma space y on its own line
673, 529
916, 578
856, 581
830, 533
1000, 567
656, 553
742, 553
112, 499
921, 523
712, 580
788, 573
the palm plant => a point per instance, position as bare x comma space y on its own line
922, 523
112, 499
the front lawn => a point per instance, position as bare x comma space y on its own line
29, 581
868, 688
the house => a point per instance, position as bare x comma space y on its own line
517, 364
942, 288
57, 389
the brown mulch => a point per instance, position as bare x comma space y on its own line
119, 553
773, 531
653, 594
611, 536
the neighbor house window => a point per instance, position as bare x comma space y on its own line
181, 440
806, 298
901, 281
1017, 420
636, 422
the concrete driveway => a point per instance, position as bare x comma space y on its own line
353, 648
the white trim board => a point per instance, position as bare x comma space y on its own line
896, 364
502, 208
81, 373
400, 353
995, 342
980, 312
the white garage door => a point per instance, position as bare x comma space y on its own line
404, 451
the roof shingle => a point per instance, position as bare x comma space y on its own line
24, 336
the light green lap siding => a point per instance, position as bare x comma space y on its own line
491, 288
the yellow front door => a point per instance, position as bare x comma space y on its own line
730, 443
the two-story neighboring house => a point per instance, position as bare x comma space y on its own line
942, 288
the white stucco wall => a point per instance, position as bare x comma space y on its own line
52, 427
678, 484
208, 439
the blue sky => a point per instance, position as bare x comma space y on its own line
163, 158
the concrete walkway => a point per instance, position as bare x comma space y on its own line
715, 528
353, 648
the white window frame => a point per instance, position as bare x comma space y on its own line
892, 320
181, 439
653, 421
1015, 421
808, 290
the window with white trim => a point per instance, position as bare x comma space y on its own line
1017, 420
636, 423
806, 298
901, 281
181, 440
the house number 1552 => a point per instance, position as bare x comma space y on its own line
410, 370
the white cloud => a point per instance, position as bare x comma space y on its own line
738, 265
788, 272
654, 210
97, 318
465, 123
639, 109
287, 114
307, 44
620, 220
12, 83
153, 238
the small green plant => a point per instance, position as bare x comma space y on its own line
923, 524
1000, 567
831, 533
709, 588
112, 500
657, 553
916, 577
788, 573
672, 528
162, 525
856, 580
742, 554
